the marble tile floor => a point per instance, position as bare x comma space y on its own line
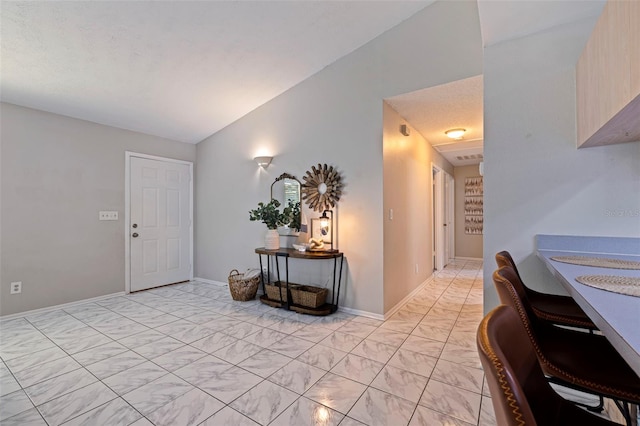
189, 355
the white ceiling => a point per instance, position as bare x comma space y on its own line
434, 110
181, 70
184, 70
502, 20
458, 104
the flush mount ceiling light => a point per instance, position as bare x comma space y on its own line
263, 161
455, 133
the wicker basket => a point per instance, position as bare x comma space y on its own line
309, 296
243, 289
273, 290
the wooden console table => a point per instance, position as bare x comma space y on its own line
288, 253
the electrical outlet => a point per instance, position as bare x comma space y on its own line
416, 268
16, 287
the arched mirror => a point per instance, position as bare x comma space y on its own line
286, 188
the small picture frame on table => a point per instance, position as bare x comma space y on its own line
320, 231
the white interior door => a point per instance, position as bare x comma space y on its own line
159, 222
438, 219
449, 205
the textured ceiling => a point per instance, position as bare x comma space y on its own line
184, 70
181, 70
434, 110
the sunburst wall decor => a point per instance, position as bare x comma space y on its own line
322, 187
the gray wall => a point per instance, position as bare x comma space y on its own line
334, 117
466, 245
408, 180
536, 181
57, 173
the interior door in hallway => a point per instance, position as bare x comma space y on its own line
159, 222
441, 238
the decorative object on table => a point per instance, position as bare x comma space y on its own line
290, 232
270, 215
616, 284
598, 262
316, 244
322, 228
244, 286
309, 296
473, 205
322, 187
301, 247
292, 215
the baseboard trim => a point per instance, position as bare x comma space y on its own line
61, 306
204, 280
400, 304
360, 313
468, 258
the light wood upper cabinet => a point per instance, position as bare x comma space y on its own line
634, 46
608, 78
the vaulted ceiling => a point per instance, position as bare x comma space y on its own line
179, 69
184, 70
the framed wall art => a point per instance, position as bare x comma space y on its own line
473, 205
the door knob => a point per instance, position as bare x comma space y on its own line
134, 235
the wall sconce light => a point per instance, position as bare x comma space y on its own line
263, 161
455, 133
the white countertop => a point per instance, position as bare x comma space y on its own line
616, 315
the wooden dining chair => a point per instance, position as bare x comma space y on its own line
583, 361
519, 390
553, 308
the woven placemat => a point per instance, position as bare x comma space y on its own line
600, 262
623, 285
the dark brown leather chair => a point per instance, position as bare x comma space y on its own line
520, 393
561, 310
573, 358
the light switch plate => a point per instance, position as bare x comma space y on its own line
108, 215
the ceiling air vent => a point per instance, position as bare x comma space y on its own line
470, 157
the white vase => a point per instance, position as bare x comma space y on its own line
287, 241
272, 240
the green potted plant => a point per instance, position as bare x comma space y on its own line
270, 215
293, 217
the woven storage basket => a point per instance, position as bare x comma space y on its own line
241, 288
309, 296
273, 290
